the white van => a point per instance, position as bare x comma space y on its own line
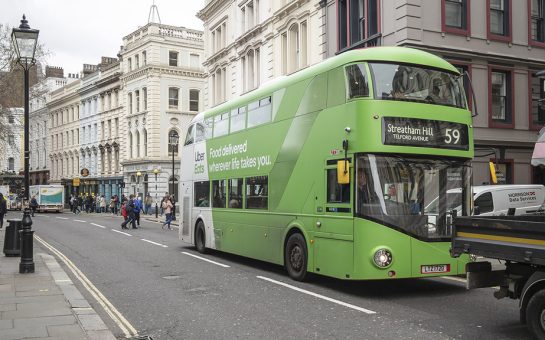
514, 199
497, 200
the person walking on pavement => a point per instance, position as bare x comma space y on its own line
3, 209
102, 204
33, 205
147, 204
77, 204
125, 215
130, 211
167, 208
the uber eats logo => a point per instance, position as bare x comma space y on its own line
199, 159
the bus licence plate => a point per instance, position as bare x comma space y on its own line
434, 269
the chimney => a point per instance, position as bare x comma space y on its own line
54, 72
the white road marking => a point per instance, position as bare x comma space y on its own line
207, 260
367, 311
121, 232
80, 221
98, 225
62, 218
157, 244
116, 316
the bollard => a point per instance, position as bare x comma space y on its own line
27, 245
12, 244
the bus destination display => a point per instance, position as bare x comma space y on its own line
424, 133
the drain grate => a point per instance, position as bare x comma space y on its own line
141, 337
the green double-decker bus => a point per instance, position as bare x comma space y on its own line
345, 169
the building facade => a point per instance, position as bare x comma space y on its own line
251, 42
39, 118
500, 43
163, 85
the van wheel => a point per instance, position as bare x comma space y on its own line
200, 238
535, 314
296, 257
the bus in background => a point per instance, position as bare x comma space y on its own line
328, 170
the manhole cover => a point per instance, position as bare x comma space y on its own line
171, 277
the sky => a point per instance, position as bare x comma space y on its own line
78, 32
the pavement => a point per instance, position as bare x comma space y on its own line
45, 304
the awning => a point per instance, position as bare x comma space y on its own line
538, 157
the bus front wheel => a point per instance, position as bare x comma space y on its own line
535, 314
295, 257
200, 239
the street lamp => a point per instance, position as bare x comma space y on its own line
24, 41
137, 189
156, 172
173, 141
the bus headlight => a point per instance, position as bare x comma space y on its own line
382, 258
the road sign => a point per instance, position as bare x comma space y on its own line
75, 182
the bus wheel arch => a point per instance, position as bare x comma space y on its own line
296, 254
200, 236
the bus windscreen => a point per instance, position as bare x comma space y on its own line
417, 84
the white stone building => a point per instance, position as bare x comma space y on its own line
12, 159
163, 84
39, 118
251, 42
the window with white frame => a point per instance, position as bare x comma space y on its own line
129, 102
194, 61
250, 70
172, 58
537, 26
499, 17
173, 96
129, 64
218, 35
249, 15
136, 61
500, 94
193, 100
145, 97
218, 85
144, 60
137, 100
294, 48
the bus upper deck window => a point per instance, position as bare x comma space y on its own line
189, 136
357, 81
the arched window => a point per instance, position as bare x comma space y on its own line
293, 48
145, 132
137, 144
130, 145
171, 147
129, 101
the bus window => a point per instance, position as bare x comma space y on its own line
218, 193
221, 124
189, 136
257, 191
357, 81
238, 119
202, 194
336, 193
259, 112
235, 193
203, 130
417, 84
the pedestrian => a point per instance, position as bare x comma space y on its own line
116, 202
173, 212
125, 215
3, 209
33, 205
77, 204
147, 204
102, 204
112, 204
71, 203
167, 208
137, 209
130, 211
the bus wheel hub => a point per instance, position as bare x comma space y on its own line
296, 257
542, 319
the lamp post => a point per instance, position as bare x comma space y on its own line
24, 41
156, 172
138, 174
173, 141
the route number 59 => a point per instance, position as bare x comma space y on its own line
452, 136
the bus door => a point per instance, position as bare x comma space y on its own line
335, 228
186, 185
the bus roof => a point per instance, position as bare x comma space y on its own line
392, 54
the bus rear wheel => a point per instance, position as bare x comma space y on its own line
296, 257
200, 238
535, 314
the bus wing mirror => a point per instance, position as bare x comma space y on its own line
343, 175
